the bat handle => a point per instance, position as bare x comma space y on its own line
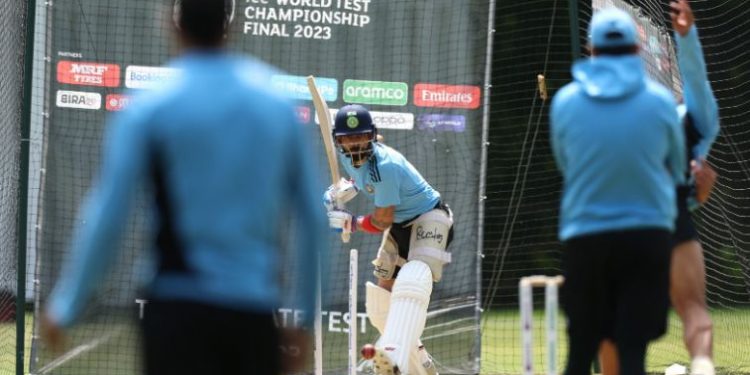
345, 236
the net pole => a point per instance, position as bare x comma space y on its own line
575, 37
353, 262
23, 191
318, 324
481, 210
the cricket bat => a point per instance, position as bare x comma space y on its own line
324, 119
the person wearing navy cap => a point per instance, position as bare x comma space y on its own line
618, 143
416, 228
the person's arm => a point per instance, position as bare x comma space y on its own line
377, 222
104, 215
387, 196
697, 94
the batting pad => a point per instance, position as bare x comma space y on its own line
408, 312
377, 303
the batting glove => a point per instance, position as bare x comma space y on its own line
342, 221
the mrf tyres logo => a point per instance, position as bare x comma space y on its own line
88, 73
78, 99
446, 96
376, 92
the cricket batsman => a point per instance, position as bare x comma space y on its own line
416, 228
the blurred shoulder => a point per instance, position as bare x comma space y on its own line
660, 92
566, 93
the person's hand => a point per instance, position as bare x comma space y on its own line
53, 335
339, 193
342, 221
705, 178
682, 16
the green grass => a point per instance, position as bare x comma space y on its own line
8, 345
501, 348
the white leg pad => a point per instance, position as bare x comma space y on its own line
408, 312
377, 304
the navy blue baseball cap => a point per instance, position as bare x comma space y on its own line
612, 27
353, 119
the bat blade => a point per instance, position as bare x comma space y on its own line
324, 119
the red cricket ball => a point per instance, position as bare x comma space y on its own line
368, 351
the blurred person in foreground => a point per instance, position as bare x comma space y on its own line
227, 159
617, 140
700, 119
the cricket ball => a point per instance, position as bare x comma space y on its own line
368, 351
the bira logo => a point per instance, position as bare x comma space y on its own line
376, 92
78, 99
88, 74
446, 96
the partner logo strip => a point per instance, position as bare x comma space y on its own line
446, 96
376, 92
295, 87
78, 99
384, 120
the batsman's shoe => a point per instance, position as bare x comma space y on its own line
428, 365
702, 366
382, 363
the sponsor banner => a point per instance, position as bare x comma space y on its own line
116, 102
447, 96
376, 92
88, 73
384, 120
442, 123
147, 77
295, 87
303, 114
78, 99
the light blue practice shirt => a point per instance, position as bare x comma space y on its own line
388, 179
619, 144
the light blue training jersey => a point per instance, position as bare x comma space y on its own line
388, 179
619, 145
226, 158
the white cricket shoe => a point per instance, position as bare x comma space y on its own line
702, 366
427, 363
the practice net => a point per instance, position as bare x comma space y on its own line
523, 185
420, 66
12, 17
